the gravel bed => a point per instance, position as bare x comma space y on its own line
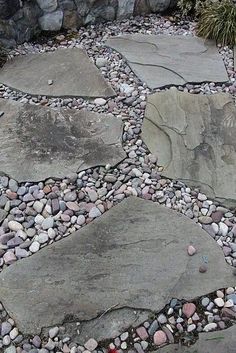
40, 213
179, 322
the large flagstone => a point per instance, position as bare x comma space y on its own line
164, 60
194, 137
133, 256
38, 143
70, 71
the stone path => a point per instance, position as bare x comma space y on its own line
145, 253
62, 73
158, 60
37, 214
194, 138
39, 143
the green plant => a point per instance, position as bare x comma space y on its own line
192, 6
218, 21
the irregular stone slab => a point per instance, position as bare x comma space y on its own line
72, 73
37, 142
133, 256
211, 342
108, 326
194, 137
162, 60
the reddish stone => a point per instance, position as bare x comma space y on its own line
228, 313
159, 338
189, 309
11, 195
46, 189
202, 268
142, 332
216, 216
9, 257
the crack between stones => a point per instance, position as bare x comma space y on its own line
160, 66
141, 42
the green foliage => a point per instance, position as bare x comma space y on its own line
218, 21
192, 6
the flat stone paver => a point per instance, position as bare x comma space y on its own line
133, 256
162, 60
194, 137
111, 325
211, 342
37, 143
70, 70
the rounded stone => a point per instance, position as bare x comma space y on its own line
81, 220
202, 268
205, 301
94, 212
159, 338
189, 309
53, 332
210, 327
15, 226
34, 247
219, 302
162, 319
91, 344
191, 250
42, 238
5, 328
100, 101
48, 223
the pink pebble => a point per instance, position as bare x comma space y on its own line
159, 338
191, 250
142, 332
189, 309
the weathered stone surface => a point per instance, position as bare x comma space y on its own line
125, 8
194, 137
37, 143
3, 215
134, 256
162, 60
72, 73
51, 21
47, 5
217, 342
108, 326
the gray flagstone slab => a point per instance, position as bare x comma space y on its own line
71, 72
194, 138
37, 143
133, 256
164, 60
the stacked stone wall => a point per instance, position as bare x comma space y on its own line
20, 20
